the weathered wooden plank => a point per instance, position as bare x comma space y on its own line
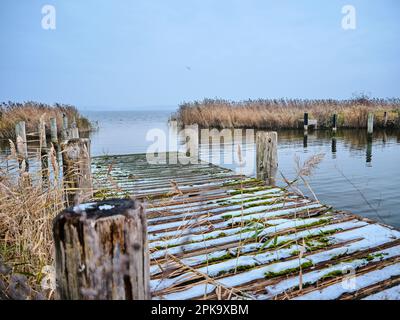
225, 232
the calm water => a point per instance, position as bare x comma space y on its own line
355, 174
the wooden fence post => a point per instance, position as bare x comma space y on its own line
370, 124
22, 147
77, 170
267, 155
101, 252
64, 132
54, 131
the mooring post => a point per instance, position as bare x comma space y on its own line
334, 123
53, 131
101, 252
77, 170
267, 155
305, 121
21, 142
370, 125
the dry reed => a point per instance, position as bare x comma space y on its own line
27, 209
32, 112
286, 113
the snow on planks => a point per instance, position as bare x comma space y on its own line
214, 234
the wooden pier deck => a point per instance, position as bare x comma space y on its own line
214, 234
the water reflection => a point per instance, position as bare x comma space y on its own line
369, 151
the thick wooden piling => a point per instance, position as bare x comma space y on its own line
334, 123
267, 155
101, 252
54, 131
21, 144
370, 124
77, 170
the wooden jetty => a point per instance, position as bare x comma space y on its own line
214, 234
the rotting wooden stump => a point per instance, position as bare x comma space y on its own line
102, 251
77, 170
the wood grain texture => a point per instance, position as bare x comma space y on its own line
102, 252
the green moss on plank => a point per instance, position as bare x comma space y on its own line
333, 274
271, 274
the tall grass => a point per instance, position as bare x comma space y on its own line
31, 112
27, 209
286, 113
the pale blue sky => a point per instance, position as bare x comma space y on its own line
131, 54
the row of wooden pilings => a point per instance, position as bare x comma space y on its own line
74, 151
101, 249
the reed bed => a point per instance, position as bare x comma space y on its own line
287, 113
31, 112
27, 208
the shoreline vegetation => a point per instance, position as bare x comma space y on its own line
288, 113
31, 112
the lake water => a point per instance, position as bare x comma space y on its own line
356, 174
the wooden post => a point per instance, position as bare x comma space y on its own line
370, 124
77, 170
64, 132
54, 131
22, 147
385, 119
306, 121
334, 122
101, 252
267, 155
43, 149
